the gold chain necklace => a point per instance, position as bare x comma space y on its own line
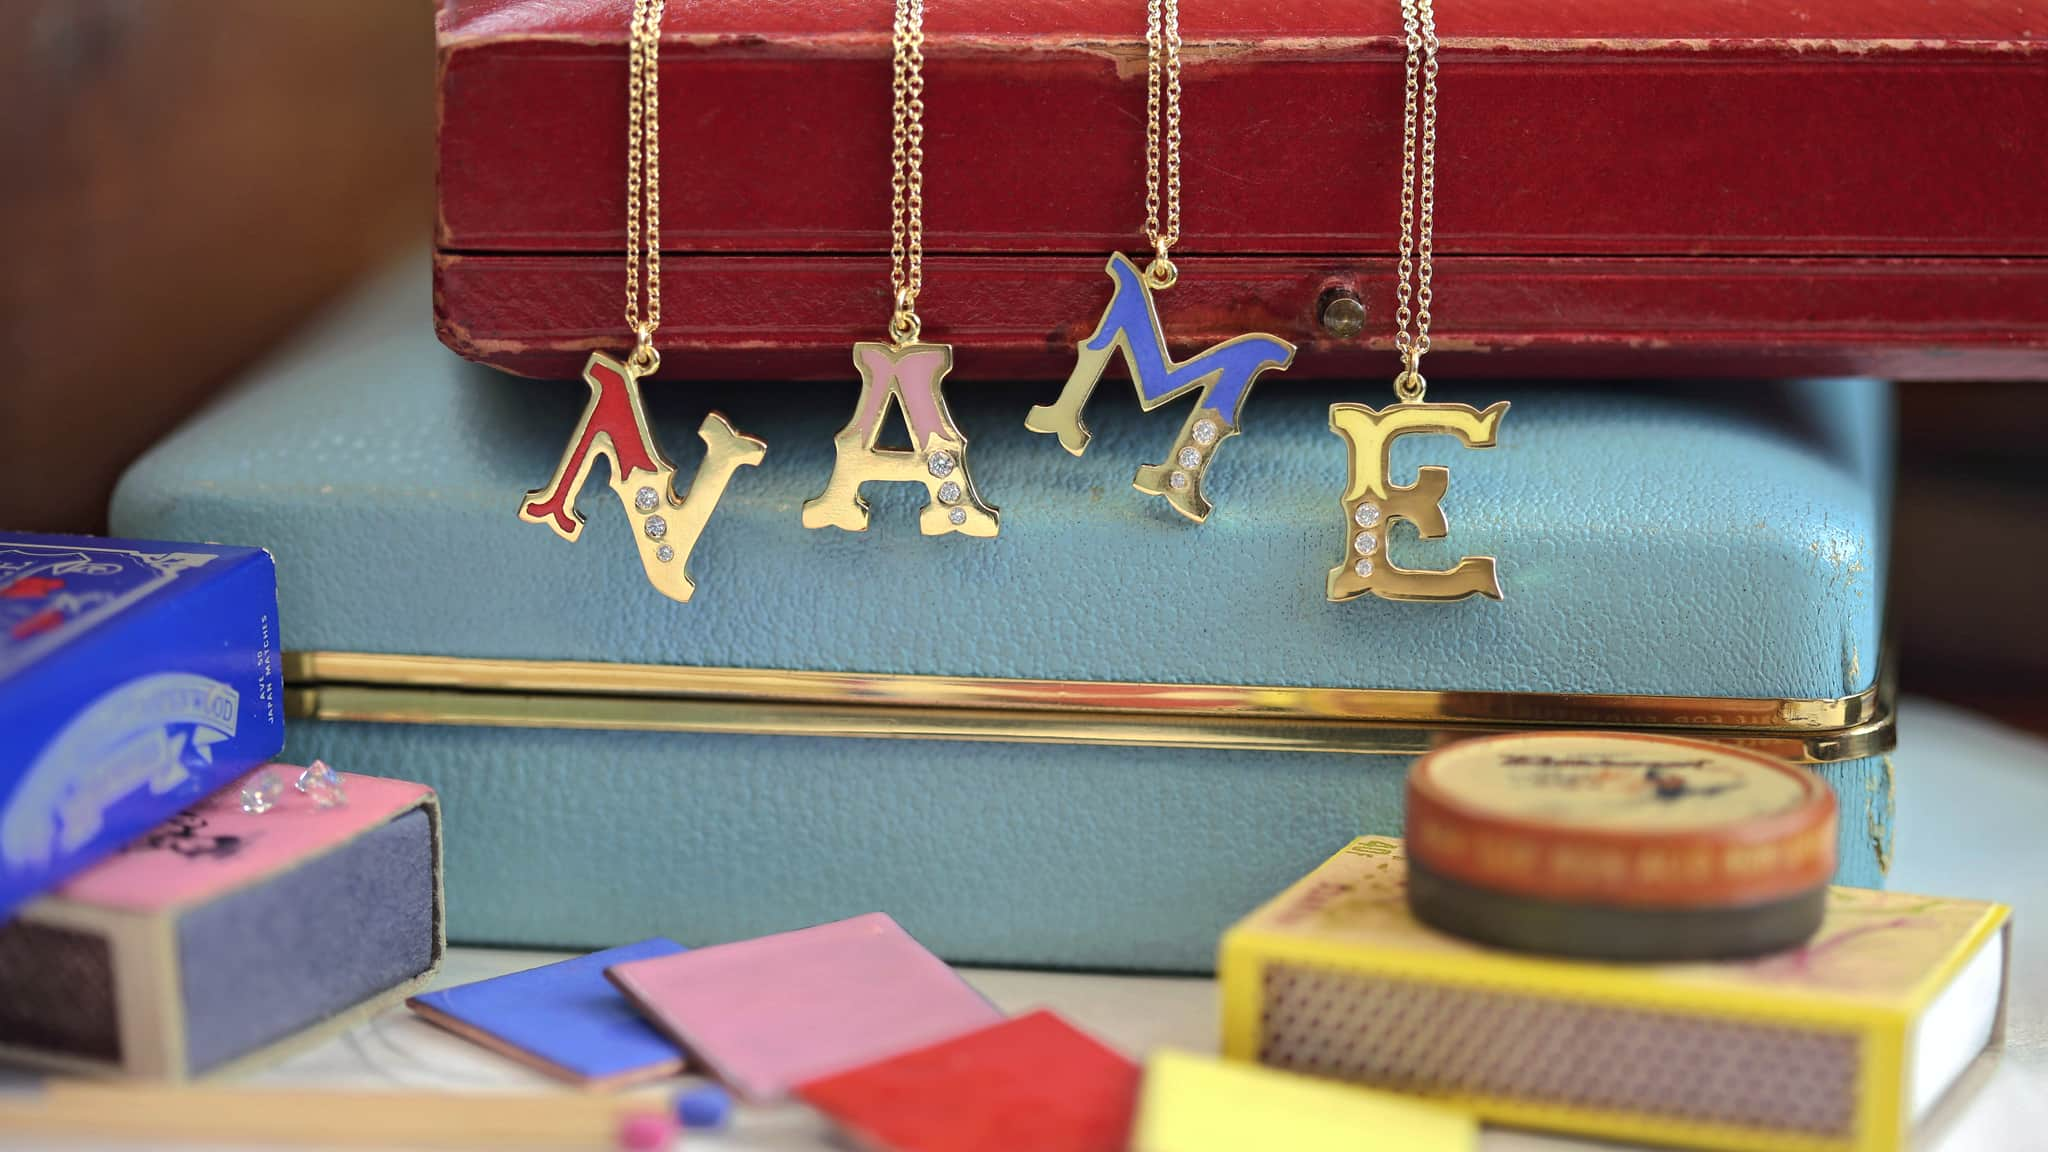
1221, 376
906, 181
1371, 503
614, 423
905, 370
643, 177
1162, 80
1418, 19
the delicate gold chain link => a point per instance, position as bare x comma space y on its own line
906, 209
1412, 294
1162, 120
643, 177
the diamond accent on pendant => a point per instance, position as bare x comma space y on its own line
1191, 458
646, 499
323, 785
1365, 542
949, 493
1205, 432
656, 527
957, 515
1363, 567
262, 792
1367, 514
664, 553
1178, 481
941, 464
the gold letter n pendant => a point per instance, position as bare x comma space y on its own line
1372, 504
614, 425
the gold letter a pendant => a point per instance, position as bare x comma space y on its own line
908, 375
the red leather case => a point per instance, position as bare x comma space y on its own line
1624, 186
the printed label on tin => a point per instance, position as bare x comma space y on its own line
1606, 782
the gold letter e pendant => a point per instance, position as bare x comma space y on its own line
1372, 503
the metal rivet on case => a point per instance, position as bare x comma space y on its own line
1343, 313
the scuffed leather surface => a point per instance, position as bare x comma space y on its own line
1560, 125
1672, 540
1068, 856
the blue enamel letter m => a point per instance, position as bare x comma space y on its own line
1223, 375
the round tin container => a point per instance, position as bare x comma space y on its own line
1618, 846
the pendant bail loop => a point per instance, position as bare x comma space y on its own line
646, 359
1409, 386
1161, 274
904, 326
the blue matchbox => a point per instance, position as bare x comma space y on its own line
135, 678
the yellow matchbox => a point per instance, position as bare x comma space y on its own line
1840, 1045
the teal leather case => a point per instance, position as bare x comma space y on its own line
1694, 541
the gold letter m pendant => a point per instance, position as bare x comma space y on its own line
1371, 504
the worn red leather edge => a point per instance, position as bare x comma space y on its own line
794, 317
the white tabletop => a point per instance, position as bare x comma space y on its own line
1970, 797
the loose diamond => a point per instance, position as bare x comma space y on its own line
1363, 567
941, 463
646, 499
1191, 457
949, 492
1367, 514
323, 784
1177, 481
1205, 432
656, 527
1365, 542
262, 792
957, 515
664, 553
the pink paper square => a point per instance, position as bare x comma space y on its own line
765, 1015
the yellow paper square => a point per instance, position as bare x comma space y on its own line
1197, 1104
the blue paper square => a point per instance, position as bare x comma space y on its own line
565, 1016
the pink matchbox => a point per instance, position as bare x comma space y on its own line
223, 935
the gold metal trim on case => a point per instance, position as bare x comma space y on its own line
381, 688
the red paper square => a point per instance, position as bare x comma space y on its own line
1034, 1082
